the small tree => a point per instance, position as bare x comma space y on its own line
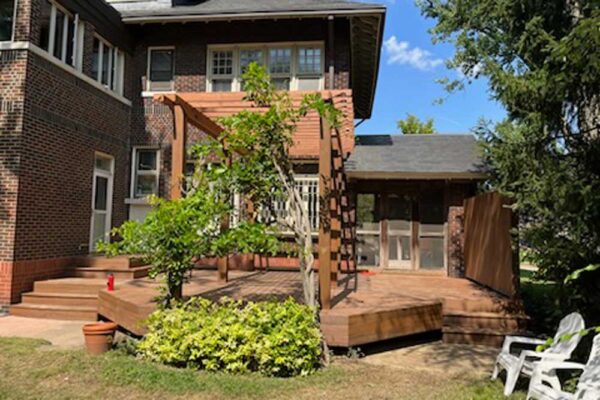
413, 125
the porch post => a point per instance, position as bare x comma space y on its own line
325, 216
223, 262
178, 151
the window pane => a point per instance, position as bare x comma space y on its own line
6, 19
431, 211
58, 34
222, 85
114, 84
100, 200
103, 163
367, 212
367, 249
405, 247
145, 185
45, 12
161, 65
431, 252
393, 247
281, 83
309, 83
106, 60
280, 61
309, 60
146, 160
99, 228
70, 41
95, 58
249, 56
222, 62
400, 213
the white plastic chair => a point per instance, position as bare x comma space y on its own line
524, 362
543, 381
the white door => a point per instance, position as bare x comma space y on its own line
102, 189
399, 224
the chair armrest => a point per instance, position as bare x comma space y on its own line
549, 365
543, 356
510, 340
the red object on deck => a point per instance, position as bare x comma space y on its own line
110, 285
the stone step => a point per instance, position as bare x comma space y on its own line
70, 313
486, 320
102, 273
61, 299
70, 285
480, 337
119, 262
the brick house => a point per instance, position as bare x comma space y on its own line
83, 140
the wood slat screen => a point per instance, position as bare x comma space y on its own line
488, 252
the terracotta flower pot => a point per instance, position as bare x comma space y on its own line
99, 336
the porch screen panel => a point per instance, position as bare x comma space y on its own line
368, 229
431, 231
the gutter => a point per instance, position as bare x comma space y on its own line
252, 15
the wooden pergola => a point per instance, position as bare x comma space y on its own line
196, 109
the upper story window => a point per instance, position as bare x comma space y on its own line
297, 66
108, 65
145, 172
160, 69
62, 34
7, 20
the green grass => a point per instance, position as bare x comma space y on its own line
30, 369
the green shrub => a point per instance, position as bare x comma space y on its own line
273, 338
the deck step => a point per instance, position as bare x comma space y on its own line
119, 262
486, 320
61, 299
70, 313
482, 337
70, 285
482, 305
102, 272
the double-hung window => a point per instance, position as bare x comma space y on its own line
296, 66
62, 34
146, 166
7, 20
222, 71
160, 69
108, 64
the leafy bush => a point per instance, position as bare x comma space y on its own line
271, 337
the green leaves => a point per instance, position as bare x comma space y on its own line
413, 125
274, 338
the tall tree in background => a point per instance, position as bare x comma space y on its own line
413, 125
543, 64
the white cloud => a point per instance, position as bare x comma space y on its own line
401, 53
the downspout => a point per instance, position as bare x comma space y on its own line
331, 50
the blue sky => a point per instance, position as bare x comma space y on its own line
410, 64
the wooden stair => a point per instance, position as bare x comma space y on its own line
482, 321
75, 296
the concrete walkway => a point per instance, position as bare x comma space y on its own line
444, 359
64, 334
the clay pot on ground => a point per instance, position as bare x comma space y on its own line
99, 336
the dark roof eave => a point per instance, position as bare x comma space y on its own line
383, 175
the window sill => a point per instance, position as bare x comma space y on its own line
137, 201
150, 94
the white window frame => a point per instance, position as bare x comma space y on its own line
236, 85
149, 51
115, 55
78, 33
135, 172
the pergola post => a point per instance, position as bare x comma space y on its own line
223, 262
178, 151
325, 216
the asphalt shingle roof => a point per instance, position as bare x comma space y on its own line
210, 7
436, 154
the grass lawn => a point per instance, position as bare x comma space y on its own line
30, 369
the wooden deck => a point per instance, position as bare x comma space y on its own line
364, 309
